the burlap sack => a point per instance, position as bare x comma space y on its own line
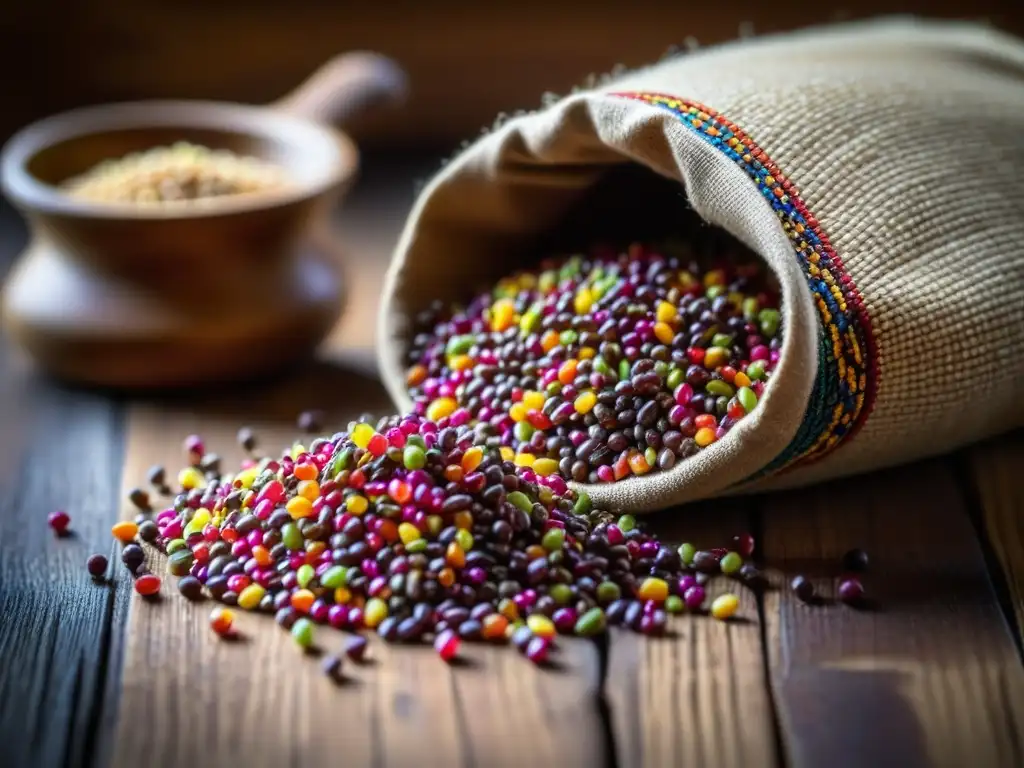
878, 169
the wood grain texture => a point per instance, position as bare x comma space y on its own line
697, 696
259, 702
466, 62
59, 630
996, 468
929, 674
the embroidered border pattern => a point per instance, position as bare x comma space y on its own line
844, 389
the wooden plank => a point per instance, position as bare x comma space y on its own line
930, 675
60, 631
996, 468
189, 699
699, 695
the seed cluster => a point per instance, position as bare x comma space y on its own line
595, 368
179, 173
412, 529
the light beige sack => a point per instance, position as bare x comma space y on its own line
878, 169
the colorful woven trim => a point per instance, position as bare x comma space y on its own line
844, 389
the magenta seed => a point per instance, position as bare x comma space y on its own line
851, 591
59, 522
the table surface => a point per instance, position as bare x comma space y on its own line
931, 674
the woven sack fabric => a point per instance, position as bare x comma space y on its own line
877, 168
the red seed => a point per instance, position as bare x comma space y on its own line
743, 543
447, 645
851, 591
59, 521
147, 585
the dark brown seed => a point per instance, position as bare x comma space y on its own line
855, 560
139, 498
190, 587
157, 476
133, 557
311, 422
803, 588
332, 666
148, 531
247, 439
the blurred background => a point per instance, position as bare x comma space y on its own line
466, 61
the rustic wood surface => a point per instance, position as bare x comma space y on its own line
91, 674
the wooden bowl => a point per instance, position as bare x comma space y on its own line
140, 296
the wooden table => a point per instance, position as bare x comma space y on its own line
90, 674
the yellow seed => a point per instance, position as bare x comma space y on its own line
308, 489
461, 362
361, 434
440, 408
545, 467
190, 478
585, 402
375, 612
583, 301
408, 533
463, 520
664, 333
503, 315
714, 277
741, 380
249, 598
472, 458
533, 401
507, 454
586, 353
517, 412
125, 531
342, 595
549, 341
202, 516
524, 459
246, 477
356, 504
299, 507
705, 436
653, 589
716, 357
508, 609
665, 313
541, 625
725, 606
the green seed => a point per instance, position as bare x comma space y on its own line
464, 539
339, 463
590, 623
413, 547
608, 591
624, 369
687, 552
661, 368
459, 345
626, 523
180, 562
714, 291
304, 575
521, 500
651, 456
731, 562
769, 321
721, 340
334, 577
720, 388
174, 545
414, 457
416, 440
750, 308
674, 604
583, 504
291, 536
747, 398
568, 338
675, 378
523, 430
755, 371
553, 540
302, 633
560, 593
